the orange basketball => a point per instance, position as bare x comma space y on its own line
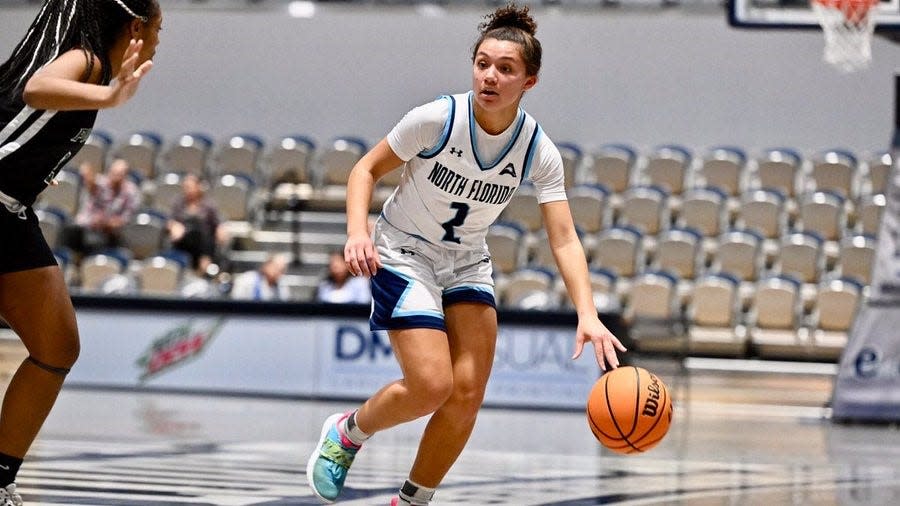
629, 410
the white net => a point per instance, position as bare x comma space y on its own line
848, 27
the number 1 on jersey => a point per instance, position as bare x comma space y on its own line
462, 210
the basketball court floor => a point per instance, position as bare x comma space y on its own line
744, 433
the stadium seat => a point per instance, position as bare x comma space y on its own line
97, 269
869, 210
800, 255
762, 211
856, 258
739, 253
822, 212
645, 208
233, 194
774, 320
667, 167
619, 249
140, 150
188, 155
875, 177
239, 154
159, 275
723, 167
679, 251
836, 303
713, 316
289, 160
653, 313
166, 191
612, 166
529, 288
331, 170
704, 210
778, 169
589, 204
834, 170
145, 234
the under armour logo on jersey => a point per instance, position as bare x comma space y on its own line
457, 152
509, 169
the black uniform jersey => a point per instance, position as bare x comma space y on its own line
36, 144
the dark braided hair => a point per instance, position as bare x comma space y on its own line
62, 25
513, 24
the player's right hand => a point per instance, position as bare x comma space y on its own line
361, 256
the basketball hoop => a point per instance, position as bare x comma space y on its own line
848, 27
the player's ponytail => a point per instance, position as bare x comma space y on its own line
61, 25
513, 24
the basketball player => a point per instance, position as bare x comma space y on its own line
462, 158
51, 87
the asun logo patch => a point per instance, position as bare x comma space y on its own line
176, 346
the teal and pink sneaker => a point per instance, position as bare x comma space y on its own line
328, 465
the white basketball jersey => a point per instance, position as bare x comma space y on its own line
449, 195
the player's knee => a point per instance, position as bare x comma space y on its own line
433, 392
467, 397
62, 354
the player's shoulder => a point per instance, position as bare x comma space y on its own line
435, 111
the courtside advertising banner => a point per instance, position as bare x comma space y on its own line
310, 357
868, 382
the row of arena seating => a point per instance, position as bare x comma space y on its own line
803, 223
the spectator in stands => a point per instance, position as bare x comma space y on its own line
264, 283
108, 201
74, 59
339, 287
195, 226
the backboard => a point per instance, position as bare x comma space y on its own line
794, 14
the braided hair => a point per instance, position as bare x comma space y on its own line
61, 25
514, 24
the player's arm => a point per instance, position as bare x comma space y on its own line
569, 256
359, 252
59, 85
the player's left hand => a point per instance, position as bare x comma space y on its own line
130, 74
605, 343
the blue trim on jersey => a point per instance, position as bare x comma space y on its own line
532, 149
390, 288
469, 294
445, 135
472, 138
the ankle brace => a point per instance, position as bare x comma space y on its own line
413, 493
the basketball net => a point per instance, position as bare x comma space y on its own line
848, 27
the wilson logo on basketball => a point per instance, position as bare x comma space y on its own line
651, 405
176, 346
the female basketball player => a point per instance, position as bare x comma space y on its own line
463, 156
51, 87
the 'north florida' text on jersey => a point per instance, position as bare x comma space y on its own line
450, 195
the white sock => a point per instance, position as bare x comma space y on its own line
413, 494
353, 432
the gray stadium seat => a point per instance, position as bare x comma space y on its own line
834, 170
188, 155
140, 150
239, 154
713, 316
774, 321
778, 169
612, 166
723, 167
668, 167
506, 243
